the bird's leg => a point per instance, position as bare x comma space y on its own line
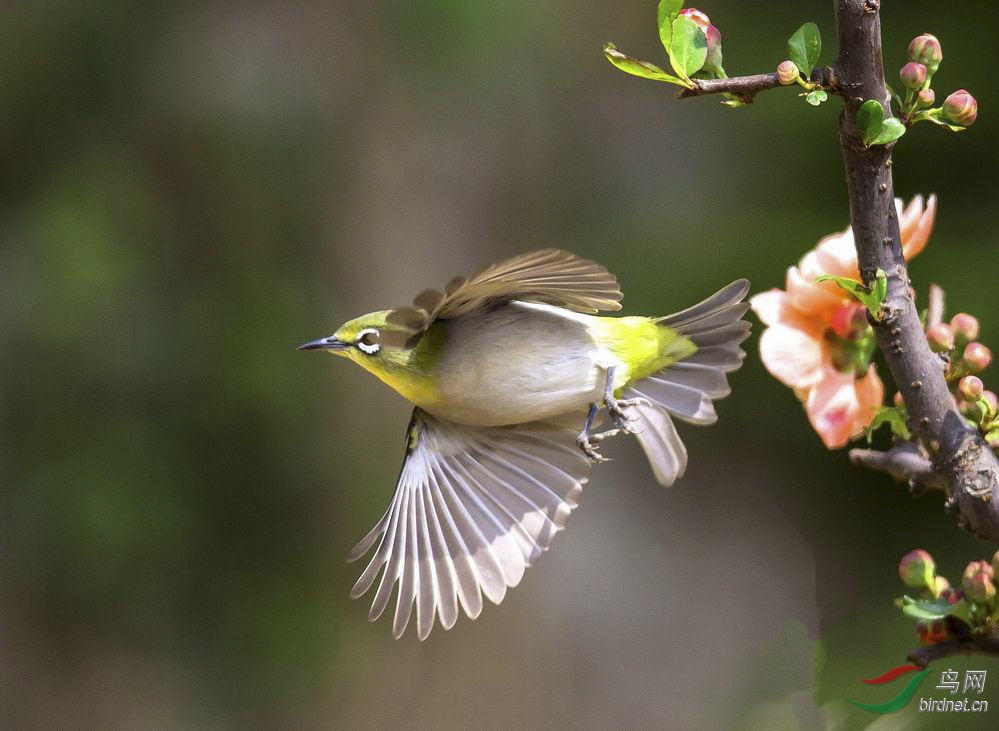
616, 407
589, 443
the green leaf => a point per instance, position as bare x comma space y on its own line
891, 130
688, 48
804, 48
816, 97
935, 608
895, 417
668, 10
636, 67
872, 297
870, 118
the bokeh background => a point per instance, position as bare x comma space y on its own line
189, 190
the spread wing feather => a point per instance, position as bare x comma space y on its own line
473, 508
548, 276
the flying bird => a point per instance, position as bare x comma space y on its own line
511, 371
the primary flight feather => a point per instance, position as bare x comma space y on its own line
509, 371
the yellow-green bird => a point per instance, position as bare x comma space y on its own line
509, 371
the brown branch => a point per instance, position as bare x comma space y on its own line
905, 462
747, 87
963, 462
923, 656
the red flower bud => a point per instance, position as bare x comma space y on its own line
965, 326
702, 20
917, 569
977, 357
940, 337
977, 582
850, 321
713, 61
898, 400
913, 75
926, 97
952, 595
961, 108
991, 398
971, 387
925, 49
787, 72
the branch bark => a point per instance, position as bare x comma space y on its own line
747, 87
965, 465
923, 656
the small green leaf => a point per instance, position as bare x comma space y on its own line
895, 417
891, 130
872, 297
804, 48
816, 97
688, 48
636, 67
934, 608
870, 118
668, 9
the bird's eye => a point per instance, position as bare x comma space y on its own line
367, 341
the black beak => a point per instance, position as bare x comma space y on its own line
329, 343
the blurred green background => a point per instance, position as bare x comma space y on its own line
189, 190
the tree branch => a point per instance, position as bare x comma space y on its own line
923, 656
963, 462
747, 87
905, 462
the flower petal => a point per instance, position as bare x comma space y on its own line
817, 299
832, 407
916, 226
794, 357
837, 255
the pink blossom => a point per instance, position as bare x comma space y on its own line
810, 340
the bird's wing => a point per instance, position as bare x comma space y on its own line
548, 276
474, 506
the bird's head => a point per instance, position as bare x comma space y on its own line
385, 345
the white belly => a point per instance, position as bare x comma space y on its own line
518, 363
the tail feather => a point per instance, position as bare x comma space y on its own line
686, 389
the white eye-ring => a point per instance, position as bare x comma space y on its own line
369, 348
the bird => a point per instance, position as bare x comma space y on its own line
510, 372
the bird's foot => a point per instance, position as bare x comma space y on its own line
590, 444
616, 407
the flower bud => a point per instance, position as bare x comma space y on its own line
925, 49
898, 400
965, 327
977, 583
926, 97
713, 61
995, 563
787, 72
991, 399
702, 20
917, 569
977, 357
940, 337
913, 76
960, 108
971, 387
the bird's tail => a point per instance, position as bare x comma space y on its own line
686, 389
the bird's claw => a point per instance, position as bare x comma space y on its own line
590, 444
616, 407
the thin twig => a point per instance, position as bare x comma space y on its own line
905, 462
923, 656
747, 87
